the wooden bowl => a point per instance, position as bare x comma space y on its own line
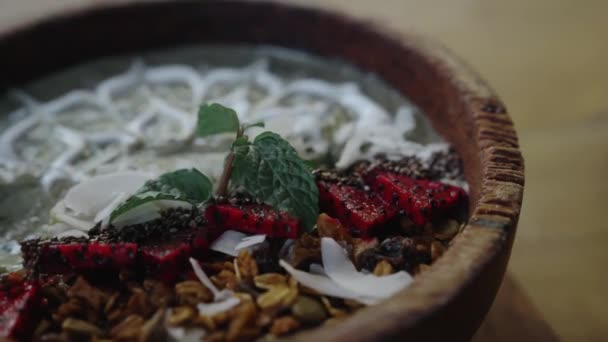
450, 300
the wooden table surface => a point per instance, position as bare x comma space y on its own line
513, 317
549, 61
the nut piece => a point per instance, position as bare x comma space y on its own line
81, 327
84, 291
437, 250
284, 325
128, 329
244, 315
111, 303
277, 297
269, 280
180, 315
154, 330
245, 266
138, 302
383, 268
192, 292
446, 230
73, 307
306, 249
225, 279
331, 227
334, 312
216, 336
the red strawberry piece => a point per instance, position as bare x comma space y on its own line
361, 211
18, 306
422, 200
167, 259
56, 256
253, 218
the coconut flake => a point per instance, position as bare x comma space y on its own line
104, 214
232, 242
182, 334
341, 270
93, 195
223, 300
317, 269
59, 214
211, 309
190, 334
324, 284
202, 276
250, 241
227, 242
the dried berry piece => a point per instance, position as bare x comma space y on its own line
361, 211
63, 256
401, 252
253, 218
422, 200
165, 260
18, 306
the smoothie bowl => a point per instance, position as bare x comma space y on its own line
247, 171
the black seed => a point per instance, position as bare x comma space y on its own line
395, 198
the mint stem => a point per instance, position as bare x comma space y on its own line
222, 188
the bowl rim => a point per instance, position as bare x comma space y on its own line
485, 242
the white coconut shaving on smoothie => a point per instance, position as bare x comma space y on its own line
111, 137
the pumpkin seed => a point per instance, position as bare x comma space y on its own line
308, 310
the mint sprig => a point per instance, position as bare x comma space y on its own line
271, 170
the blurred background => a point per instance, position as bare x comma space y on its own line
548, 59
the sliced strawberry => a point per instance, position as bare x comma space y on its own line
18, 306
361, 211
422, 200
253, 218
166, 260
58, 256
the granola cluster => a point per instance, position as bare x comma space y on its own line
271, 302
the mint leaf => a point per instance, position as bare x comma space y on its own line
238, 142
190, 185
271, 170
255, 124
182, 185
215, 118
